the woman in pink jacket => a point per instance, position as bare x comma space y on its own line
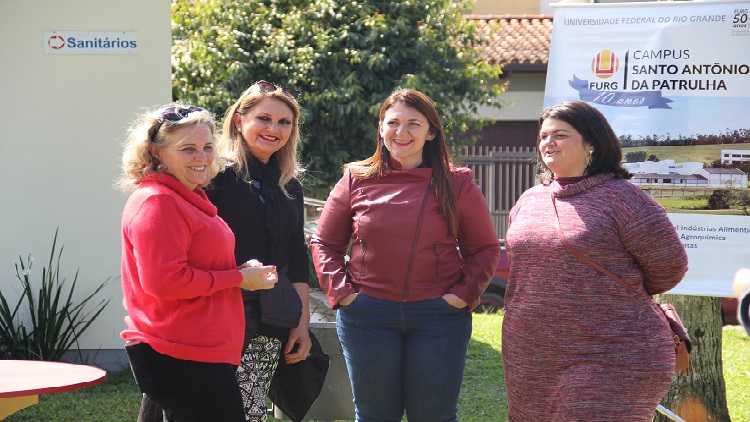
181, 287
405, 294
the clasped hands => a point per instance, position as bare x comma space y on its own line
256, 276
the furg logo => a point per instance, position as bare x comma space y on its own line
605, 64
612, 92
56, 42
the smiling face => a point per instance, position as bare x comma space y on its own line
188, 154
266, 127
563, 149
404, 131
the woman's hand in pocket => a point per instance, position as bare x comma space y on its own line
454, 301
348, 299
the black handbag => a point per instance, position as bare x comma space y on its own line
294, 388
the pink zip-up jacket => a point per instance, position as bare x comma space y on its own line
400, 247
179, 280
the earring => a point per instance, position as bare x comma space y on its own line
590, 158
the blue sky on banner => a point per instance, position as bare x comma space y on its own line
674, 68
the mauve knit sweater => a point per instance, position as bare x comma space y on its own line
578, 346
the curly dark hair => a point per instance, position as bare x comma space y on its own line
595, 130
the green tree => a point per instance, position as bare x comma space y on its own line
635, 156
720, 199
345, 57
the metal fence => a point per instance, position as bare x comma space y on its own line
503, 173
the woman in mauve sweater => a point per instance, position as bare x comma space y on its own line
181, 286
576, 344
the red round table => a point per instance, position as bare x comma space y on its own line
21, 381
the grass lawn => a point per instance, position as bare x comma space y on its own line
690, 153
483, 396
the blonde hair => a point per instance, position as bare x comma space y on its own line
236, 147
151, 129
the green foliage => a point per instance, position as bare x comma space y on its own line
731, 197
635, 156
719, 200
344, 56
743, 200
56, 321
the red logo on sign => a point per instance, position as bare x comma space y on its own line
605, 64
56, 42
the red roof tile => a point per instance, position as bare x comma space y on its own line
514, 39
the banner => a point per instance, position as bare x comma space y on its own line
672, 77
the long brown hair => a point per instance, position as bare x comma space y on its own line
434, 154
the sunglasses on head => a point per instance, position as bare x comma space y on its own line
268, 87
175, 114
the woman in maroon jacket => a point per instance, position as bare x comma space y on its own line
404, 296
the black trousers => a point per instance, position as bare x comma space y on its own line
187, 390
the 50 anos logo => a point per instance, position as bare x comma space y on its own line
741, 18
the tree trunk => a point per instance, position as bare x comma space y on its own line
701, 396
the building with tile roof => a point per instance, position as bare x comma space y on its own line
515, 42
520, 45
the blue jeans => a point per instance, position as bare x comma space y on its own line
404, 356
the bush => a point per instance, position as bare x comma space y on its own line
56, 322
719, 199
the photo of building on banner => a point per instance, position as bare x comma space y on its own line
673, 79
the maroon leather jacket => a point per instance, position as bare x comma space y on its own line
400, 246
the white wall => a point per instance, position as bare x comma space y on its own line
517, 105
523, 100
734, 156
503, 7
64, 118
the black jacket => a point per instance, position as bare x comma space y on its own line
240, 205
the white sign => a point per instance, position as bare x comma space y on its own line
665, 68
665, 72
90, 42
717, 246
